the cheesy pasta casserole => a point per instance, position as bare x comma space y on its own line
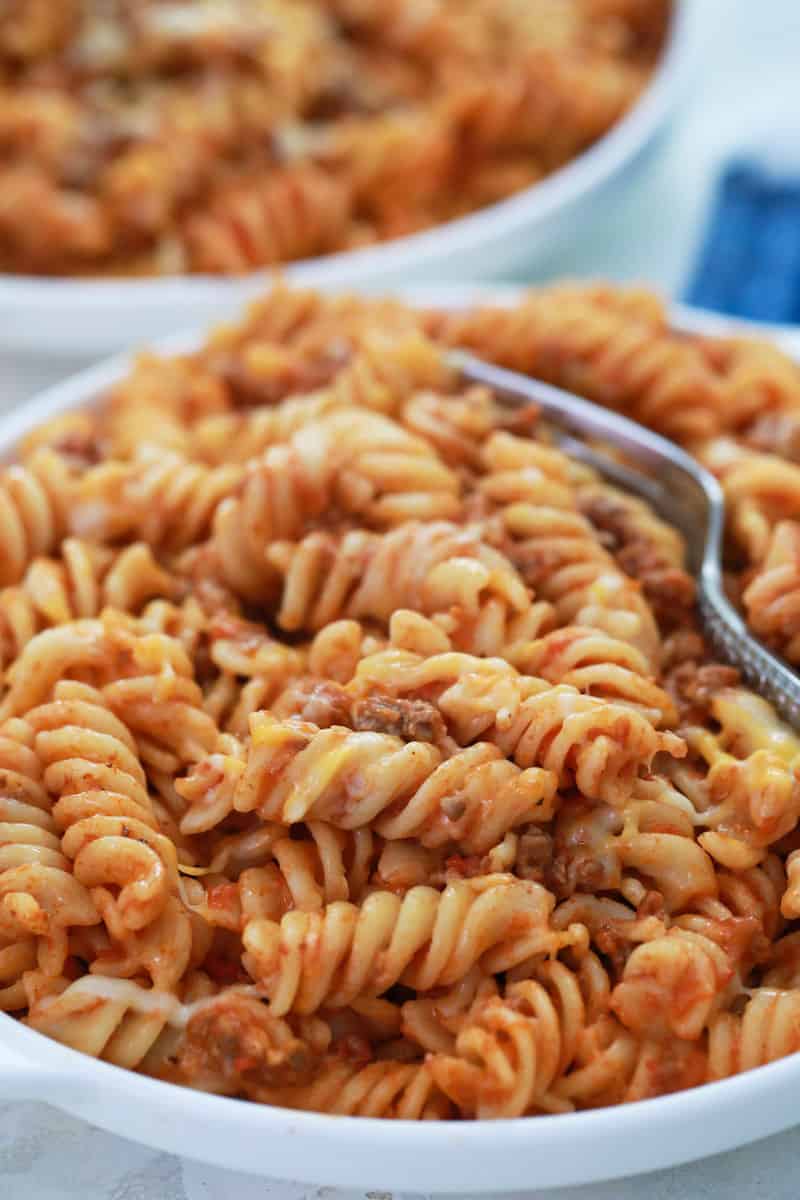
150, 137
361, 752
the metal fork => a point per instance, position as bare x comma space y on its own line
678, 488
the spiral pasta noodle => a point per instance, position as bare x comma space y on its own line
297, 771
103, 808
295, 213
652, 999
365, 949
760, 490
118, 1021
360, 462
598, 665
554, 547
772, 595
395, 1090
435, 566
750, 797
41, 901
511, 1049
766, 1030
651, 844
157, 497
33, 503
326, 866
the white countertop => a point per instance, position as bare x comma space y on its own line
45, 1155
747, 85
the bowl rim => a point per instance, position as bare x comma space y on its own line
28, 1054
528, 208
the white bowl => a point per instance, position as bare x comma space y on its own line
437, 1157
82, 319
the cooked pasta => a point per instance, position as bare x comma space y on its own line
110, 832
619, 354
401, 789
437, 567
598, 745
33, 498
402, 1090
597, 664
766, 1030
772, 596
359, 750
644, 546
103, 1019
556, 549
423, 939
218, 137
79, 583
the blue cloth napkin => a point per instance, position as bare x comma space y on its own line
749, 264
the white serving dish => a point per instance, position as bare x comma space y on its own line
83, 319
458, 1157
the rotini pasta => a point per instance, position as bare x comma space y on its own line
767, 1029
33, 503
772, 596
400, 1090
437, 567
102, 1018
359, 750
297, 772
556, 550
158, 497
424, 939
598, 665
597, 744
80, 583
103, 809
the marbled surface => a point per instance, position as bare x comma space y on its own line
45, 1155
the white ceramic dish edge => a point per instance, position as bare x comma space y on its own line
436, 1158
87, 318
